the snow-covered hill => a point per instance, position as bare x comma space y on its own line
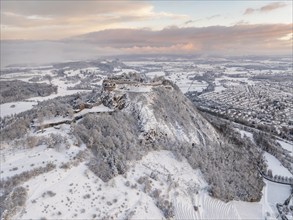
139, 150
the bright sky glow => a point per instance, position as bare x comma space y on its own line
28, 19
129, 26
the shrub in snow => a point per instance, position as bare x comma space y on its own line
87, 196
154, 175
270, 173
17, 179
146, 182
142, 179
134, 186
156, 193
166, 207
147, 186
32, 141
56, 141
130, 215
16, 129
65, 166
13, 202
48, 193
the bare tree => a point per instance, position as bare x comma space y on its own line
49, 78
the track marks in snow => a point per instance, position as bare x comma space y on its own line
204, 207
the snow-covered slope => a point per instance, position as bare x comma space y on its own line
143, 152
167, 112
159, 178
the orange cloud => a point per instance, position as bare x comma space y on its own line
171, 49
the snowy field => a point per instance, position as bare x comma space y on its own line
8, 109
76, 193
61, 91
275, 165
287, 146
189, 86
277, 193
11, 108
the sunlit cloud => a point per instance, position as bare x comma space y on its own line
287, 37
38, 17
27, 20
234, 40
121, 38
266, 8
272, 6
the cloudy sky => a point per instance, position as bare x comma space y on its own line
97, 27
